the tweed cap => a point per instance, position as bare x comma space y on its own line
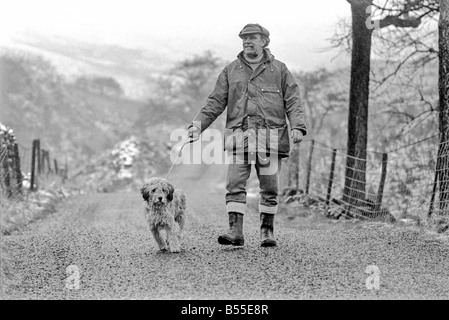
252, 28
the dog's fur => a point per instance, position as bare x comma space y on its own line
164, 209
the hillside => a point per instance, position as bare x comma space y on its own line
134, 68
37, 102
105, 119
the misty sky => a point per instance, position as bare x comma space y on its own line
299, 29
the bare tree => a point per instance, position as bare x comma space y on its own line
393, 13
443, 159
355, 176
405, 65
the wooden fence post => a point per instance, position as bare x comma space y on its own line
383, 175
293, 168
309, 166
297, 167
33, 165
66, 172
432, 197
17, 169
39, 158
48, 162
56, 166
331, 178
6, 174
435, 180
43, 161
2, 158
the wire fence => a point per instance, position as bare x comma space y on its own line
409, 181
20, 166
404, 182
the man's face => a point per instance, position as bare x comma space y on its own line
253, 44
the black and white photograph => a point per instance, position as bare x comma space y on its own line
224, 158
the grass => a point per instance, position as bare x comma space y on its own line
22, 209
5, 257
18, 211
302, 216
438, 223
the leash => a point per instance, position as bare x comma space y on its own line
187, 140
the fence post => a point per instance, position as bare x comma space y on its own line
309, 166
66, 172
293, 179
331, 178
435, 180
33, 165
383, 175
432, 197
38, 154
6, 175
47, 161
43, 161
297, 168
18, 172
56, 166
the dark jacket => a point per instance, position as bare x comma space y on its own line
260, 99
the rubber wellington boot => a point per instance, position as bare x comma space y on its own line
235, 234
266, 230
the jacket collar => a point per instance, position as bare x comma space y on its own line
267, 56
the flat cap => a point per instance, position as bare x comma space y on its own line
252, 28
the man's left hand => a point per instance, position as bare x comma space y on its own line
296, 135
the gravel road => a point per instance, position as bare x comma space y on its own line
104, 237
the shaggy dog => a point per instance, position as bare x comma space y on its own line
164, 209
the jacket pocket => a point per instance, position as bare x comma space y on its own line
273, 106
275, 122
271, 89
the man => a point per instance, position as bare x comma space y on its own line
259, 93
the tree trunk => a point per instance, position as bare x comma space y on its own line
443, 84
355, 177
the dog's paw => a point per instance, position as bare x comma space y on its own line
175, 250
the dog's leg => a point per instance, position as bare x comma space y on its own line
159, 239
173, 237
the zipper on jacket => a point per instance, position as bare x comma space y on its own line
271, 90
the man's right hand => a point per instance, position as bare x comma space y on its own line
194, 133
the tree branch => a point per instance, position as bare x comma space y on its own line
398, 22
395, 71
